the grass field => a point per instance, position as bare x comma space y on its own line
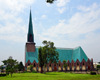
51, 76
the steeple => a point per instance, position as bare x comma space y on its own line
30, 30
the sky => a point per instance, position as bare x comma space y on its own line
67, 23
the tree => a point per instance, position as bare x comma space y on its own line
64, 64
98, 68
40, 58
20, 67
31, 68
99, 62
47, 54
10, 65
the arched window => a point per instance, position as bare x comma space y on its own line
83, 63
34, 65
77, 64
50, 65
28, 64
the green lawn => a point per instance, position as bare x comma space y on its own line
51, 76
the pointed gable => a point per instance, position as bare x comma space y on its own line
76, 54
79, 54
83, 55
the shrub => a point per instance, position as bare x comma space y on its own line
98, 66
34, 71
93, 73
25, 72
2, 74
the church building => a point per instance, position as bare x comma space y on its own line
76, 58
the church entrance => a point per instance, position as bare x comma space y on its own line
88, 67
55, 67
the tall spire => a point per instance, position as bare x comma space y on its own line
30, 30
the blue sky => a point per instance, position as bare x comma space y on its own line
68, 23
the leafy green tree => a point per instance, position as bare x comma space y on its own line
47, 54
40, 58
64, 64
99, 62
98, 66
10, 65
20, 67
50, 1
31, 68
16, 67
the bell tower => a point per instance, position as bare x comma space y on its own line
30, 45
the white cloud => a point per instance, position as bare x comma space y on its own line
61, 10
62, 3
84, 8
11, 26
80, 23
15, 5
43, 16
13, 38
13, 32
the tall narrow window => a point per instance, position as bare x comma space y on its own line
50, 65
34, 65
83, 63
77, 64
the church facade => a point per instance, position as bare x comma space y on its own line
76, 58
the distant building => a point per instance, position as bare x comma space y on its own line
95, 64
3, 69
75, 57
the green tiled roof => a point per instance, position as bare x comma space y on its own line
64, 54
76, 54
